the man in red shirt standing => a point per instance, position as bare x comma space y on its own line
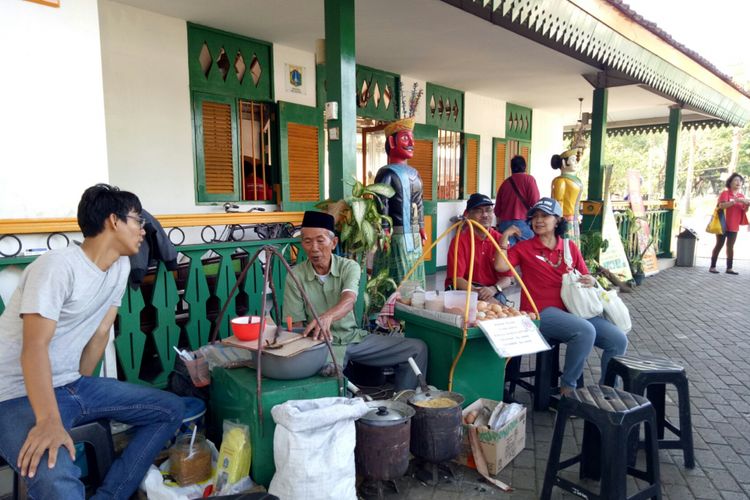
487, 282
517, 194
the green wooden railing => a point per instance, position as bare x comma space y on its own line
657, 220
179, 308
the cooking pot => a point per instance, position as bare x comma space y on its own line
301, 365
436, 431
382, 450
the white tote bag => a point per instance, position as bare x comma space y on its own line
583, 301
615, 310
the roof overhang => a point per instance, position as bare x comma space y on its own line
599, 34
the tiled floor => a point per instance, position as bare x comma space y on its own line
698, 319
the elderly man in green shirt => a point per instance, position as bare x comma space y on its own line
332, 283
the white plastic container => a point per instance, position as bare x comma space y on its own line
455, 303
433, 301
418, 299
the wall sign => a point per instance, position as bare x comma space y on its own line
296, 82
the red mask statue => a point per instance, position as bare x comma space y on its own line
401, 146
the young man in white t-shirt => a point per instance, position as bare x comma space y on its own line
52, 337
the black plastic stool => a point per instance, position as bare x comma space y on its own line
547, 367
608, 415
97, 437
650, 376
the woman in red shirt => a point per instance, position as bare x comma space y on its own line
735, 205
542, 265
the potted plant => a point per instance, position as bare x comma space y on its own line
636, 264
636, 267
360, 227
631, 244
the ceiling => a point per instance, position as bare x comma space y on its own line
428, 40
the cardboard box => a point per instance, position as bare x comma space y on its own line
499, 447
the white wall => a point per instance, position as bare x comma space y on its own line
283, 56
446, 210
147, 102
547, 140
52, 128
486, 117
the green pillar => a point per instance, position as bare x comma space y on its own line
596, 158
340, 77
675, 124
670, 179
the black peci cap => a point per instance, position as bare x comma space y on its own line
318, 219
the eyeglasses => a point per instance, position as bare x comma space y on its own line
140, 220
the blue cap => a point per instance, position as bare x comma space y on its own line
549, 206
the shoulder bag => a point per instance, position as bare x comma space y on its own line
518, 193
583, 301
718, 224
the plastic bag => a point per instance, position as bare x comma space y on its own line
580, 300
157, 488
615, 310
234, 456
313, 448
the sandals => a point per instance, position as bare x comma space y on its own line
729, 271
714, 271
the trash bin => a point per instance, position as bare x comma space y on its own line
686, 241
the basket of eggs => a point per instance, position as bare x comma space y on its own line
487, 311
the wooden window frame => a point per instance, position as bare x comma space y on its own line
234, 92
499, 165
450, 165
471, 153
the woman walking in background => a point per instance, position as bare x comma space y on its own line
735, 206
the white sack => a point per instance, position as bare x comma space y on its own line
313, 448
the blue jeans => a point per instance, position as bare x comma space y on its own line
580, 335
526, 232
155, 415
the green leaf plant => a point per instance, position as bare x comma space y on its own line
360, 226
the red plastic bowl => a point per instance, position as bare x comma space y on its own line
246, 327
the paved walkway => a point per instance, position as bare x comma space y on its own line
686, 314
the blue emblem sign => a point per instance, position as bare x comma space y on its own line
295, 77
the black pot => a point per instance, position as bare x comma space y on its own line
639, 277
436, 432
382, 450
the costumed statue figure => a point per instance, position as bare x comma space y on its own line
567, 189
405, 207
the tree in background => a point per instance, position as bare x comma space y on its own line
706, 157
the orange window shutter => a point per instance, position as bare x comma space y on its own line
217, 147
422, 161
499, 165
472, 166
304, 171
525, 154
